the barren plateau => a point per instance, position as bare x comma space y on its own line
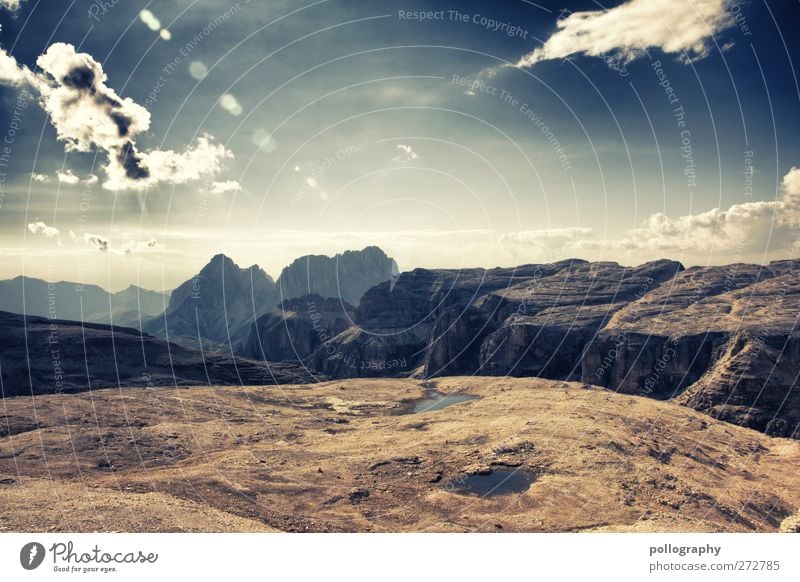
353, 455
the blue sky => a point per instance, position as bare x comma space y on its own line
333, 125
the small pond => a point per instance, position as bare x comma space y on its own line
437, 401
497, 482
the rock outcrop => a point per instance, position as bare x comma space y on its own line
42, 356
298, 327
546, 322
347, 275
395, 319
723, 340
477, 321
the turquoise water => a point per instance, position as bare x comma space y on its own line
438, 401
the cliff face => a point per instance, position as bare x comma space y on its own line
530, 320
546, 322
719, 339
213, 309
297, 328
752, 382
394, 322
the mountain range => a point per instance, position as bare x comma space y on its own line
78, 302
719, 339
212, 310
216, 308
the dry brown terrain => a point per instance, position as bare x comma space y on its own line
348, 456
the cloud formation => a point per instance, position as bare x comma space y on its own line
139, 170
67, 177
746, 227
87, 113
40, 227
93, 240
12, 5
405, 154
11, 73
683, 27
740, 229
41, 178
223, 187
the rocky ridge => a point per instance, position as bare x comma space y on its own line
723, 340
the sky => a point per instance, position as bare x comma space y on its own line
140, 138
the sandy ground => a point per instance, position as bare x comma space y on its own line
348, 456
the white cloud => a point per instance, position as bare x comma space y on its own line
683, 27
11, 73
746, 229
83, 109
223, 187
87, 113
10, 4
544, 238
542, 245
405, 153
42, 178
68, 177
40, 227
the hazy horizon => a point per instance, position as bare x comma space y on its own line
276, 273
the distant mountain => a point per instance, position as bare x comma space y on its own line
42, 356
75, 301
217, 307
137, 299
347, 275
214, 309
